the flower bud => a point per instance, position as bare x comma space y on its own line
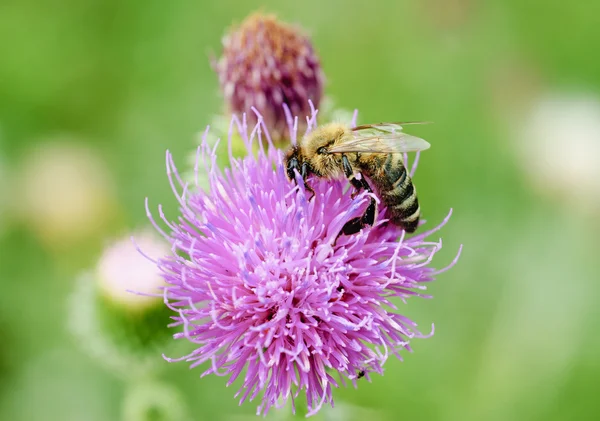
122, 269
265, 64
113, 320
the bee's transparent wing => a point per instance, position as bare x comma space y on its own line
396, 142
368, 130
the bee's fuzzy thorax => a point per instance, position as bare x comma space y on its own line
323, 164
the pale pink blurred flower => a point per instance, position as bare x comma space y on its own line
121, 269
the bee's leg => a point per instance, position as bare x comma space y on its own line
350, 175
357, 186
356, 224
305, 172
369, 216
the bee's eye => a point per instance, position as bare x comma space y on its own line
322, 150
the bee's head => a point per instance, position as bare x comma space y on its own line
316, 148
293, 161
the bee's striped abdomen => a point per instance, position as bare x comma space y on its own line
399, 194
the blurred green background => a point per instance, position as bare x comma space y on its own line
106, 86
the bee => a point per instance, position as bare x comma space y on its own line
372, 152
360, 374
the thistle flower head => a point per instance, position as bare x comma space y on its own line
265, 293
266, 63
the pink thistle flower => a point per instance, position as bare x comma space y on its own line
261, 290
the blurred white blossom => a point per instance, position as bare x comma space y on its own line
559, 147
65, 192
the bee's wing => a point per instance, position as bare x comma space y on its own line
384, 128
382, 143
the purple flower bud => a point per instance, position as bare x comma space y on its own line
264, 291
265, 64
